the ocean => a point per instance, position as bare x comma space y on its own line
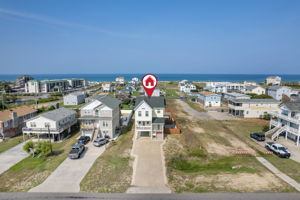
161, 77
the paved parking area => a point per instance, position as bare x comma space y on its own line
149, 167
67, 177
295, 151
11, 157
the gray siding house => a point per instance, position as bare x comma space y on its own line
74, 99
100, 117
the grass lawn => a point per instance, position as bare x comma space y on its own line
73, 107
9, 143
195, 106
126, 107
170, 93
243, 128
135, 93
31, 172
112, 171
201, 159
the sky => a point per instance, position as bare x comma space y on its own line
153, 36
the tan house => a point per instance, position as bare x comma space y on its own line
254, 89
13, 120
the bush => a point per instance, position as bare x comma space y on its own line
39, 148
265, 128
27, 146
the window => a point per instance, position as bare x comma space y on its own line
105, 123
47, 124
140, 113
32, 124
158, 110
158, 127
147, 113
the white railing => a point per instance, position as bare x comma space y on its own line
277, 133
143, 127
287, 118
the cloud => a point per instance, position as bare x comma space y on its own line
30, 16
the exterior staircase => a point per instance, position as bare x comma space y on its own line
273, 130
277, 132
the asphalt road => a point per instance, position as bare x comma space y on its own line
204, 196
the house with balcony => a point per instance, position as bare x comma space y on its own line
252, 108
150, 117
209, 99
100, 117
107, 87
273, 80
186, 86
277, 92
13, 120
55, 124
286, 122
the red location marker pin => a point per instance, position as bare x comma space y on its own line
149, 82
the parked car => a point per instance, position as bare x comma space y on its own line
76, 151
83, 139
100, 141
258, 136
278, 149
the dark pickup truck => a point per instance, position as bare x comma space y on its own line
76, 151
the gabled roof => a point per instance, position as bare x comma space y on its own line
293, 106
107, 100
57, 114
21, 111
251, 87
276, 87
154, 102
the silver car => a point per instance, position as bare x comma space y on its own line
100, 141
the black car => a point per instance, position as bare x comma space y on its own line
83, 139
258, 136
76, 151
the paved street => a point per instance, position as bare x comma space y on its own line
149, 167
202, 196
67, 177
11, 157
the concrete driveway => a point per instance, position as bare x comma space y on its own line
11, 157
149, 167
67, 177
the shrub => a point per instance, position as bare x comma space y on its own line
265, 128
27, 146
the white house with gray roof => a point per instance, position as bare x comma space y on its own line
286, 122
100, 117
277, 92
252, 108
74, 99
149, 117
56, 124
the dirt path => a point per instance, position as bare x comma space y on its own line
149, 167
192, 112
